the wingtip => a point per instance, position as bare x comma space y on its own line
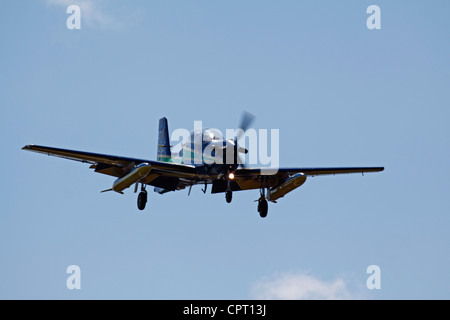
28, 147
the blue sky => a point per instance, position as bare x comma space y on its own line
340, 94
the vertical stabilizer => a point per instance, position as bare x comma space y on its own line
163, 141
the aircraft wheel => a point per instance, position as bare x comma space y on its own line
229, 196
142, 200
263, 208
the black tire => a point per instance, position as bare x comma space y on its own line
228, 196
263, 208
142, 200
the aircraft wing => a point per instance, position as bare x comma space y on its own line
307, 171
172, 176
246, 179
163, 174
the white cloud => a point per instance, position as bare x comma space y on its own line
92, 12
300, 286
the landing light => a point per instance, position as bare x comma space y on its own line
231, 176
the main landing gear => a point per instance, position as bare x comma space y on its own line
263, 207
142, 198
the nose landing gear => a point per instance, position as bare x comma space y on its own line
229, 196
229, 192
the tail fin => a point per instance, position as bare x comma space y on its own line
163, 141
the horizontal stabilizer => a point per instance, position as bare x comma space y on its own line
110, 190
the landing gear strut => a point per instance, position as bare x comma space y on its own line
142, 198
263, 206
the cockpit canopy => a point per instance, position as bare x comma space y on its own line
206, 136
203, 138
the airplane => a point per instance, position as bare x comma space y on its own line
225, 175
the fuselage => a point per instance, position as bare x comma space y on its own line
207, 149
